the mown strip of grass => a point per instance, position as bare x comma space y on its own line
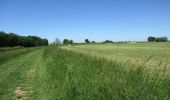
2, 49
9, 54
13, 73
68, 75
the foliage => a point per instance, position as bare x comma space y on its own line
65, 41
87, 41
161, 39
93, 42
71, 42
12, 39
151, 39
157, 39
108, 41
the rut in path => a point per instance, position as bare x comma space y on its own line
22, 91
25, 89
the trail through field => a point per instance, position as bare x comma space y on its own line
16, 79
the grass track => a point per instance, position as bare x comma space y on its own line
7, 55
13, 73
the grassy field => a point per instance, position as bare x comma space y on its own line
85, 72
157, 53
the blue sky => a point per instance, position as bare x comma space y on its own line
117, 20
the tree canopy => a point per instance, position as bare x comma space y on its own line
108, 41
71, 41
157, 39
65, 41
87, 41
12, 39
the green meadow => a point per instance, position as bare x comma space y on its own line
136, 53
118, 71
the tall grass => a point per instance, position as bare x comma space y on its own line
70, 76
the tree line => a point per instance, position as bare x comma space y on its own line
157, 39
67, 41
12, 39
150, 39
87, 41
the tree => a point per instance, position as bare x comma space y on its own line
4, 39
108, 41
161, 39
93, 42
13, 39
151, 39
65, 41
71, 42
165, 39
45, 41
87, 41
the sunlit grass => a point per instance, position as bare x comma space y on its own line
71, 76
137, 52
60, 74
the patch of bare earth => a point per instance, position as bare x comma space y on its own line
30, 72
20, 94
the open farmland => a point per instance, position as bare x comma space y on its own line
86, 72
157, 54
